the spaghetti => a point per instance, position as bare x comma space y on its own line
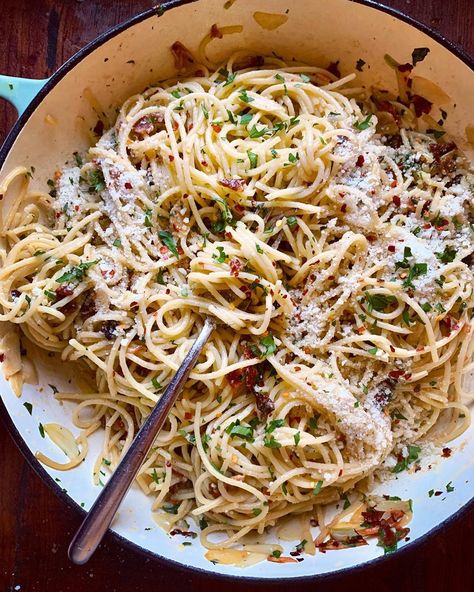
335, 258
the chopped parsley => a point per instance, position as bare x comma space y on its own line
96, 180
270, 442
258, 133
419, 54
360, 64
168, 240
243, 96
404, 464
220, 256
253, 159
156, 384
28, 407
378, 302
238, 429
297, 438
171, 508
273, 425
41, 429
246, 118
448, 255
77, 272
363, 125
317, 487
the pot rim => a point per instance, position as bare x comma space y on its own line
421, 541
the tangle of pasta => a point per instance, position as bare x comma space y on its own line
333, 252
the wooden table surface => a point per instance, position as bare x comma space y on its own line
35, 526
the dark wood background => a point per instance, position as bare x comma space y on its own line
36, 37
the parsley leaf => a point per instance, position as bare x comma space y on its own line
243, 96
77, 272
253, 158
270, 442
363, 125
448, 255
317, 487
419, 54
220, 256
273, 425
378, 302
168, 240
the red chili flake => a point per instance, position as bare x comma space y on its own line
239, 209
204, 163
372, 517
216, 33
426, 226
1, 196
421, 105
185, 533
128, 185
163, 250
171, 157
395, 374
228, 235
426, 207
2, 358
331, 277
344, 208
180, 250
360, 160
58, 214
446, 452
438, 493
235, 267
247, 291
182, 56
64, 292
143, 126
407, 376
264, 404
99, 128
396, 200
234, 184
393, 184
76, 208
168, 464
391, 248
175, 125
333, 68
188, 415
405, 67
313, 522
360, 330
216, 127
388, 107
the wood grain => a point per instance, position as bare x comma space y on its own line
35, 526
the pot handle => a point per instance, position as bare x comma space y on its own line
20, 91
